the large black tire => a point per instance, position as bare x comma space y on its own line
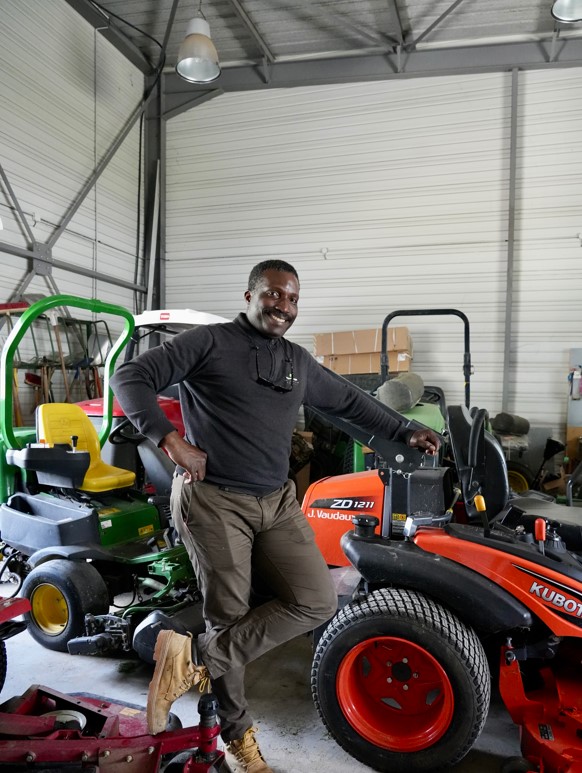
400, 683
61, 593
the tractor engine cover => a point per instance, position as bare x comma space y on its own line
330, 504
390, 495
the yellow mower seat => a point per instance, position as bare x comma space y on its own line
58, 422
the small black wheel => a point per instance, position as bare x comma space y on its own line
401, 683
517, 765
61, 593
520, 477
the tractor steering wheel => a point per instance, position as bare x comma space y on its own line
125, 432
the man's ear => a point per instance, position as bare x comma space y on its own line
248, 296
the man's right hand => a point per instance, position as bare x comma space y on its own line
191, 458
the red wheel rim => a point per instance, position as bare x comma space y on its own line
395, 694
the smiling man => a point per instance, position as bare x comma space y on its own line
241, 386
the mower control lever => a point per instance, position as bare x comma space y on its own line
540, 534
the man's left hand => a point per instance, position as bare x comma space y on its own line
426, 441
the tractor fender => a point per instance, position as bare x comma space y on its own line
477, 600
71, 552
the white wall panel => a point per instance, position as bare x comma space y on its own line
383, 195
392, 195
58, 118
548, 313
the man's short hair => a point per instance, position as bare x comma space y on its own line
269, 265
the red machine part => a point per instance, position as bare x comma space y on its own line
169, 405
552, 596
11, 608
330, 504
114, 739
551, 723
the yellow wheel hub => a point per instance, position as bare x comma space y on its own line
517, 481
49, 609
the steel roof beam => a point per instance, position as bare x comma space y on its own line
12, 249
396, 10
384, 66
112, 33
432, 26
246, 20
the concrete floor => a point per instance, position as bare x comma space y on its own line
291, 734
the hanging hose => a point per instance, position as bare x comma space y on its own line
12, 555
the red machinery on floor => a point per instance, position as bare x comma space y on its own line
45, 730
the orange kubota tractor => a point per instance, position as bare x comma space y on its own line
449, 583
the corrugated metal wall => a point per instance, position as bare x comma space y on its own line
393, 195
548, 317
65, 95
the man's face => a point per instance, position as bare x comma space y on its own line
272, 305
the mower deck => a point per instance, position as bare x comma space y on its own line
47, 730
548, 713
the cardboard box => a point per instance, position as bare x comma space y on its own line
348, 364
361, 341
573, 442
557, 486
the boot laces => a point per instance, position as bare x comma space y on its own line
247, 749
199, 676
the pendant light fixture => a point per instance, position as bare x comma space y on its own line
567, 11
197, 58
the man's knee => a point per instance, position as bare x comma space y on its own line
323, 607
330, 607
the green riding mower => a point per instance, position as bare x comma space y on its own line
82, 534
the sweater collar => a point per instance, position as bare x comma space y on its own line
251, 332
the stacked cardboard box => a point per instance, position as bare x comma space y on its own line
358, 351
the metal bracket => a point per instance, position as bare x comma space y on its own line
43, 265
267, 70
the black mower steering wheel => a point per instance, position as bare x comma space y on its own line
125, 432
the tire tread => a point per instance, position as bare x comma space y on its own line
415, 606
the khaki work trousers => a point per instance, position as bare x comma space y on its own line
230, 538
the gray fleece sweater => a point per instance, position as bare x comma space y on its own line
240, 394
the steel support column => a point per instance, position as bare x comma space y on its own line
155, 187
152, 183
510, 242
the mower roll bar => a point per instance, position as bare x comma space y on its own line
427, 313
16, 336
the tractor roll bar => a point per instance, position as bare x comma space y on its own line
427, 313
16, 335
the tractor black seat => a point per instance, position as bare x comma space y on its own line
488, 469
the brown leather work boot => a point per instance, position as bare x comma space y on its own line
175, 673
247, 753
